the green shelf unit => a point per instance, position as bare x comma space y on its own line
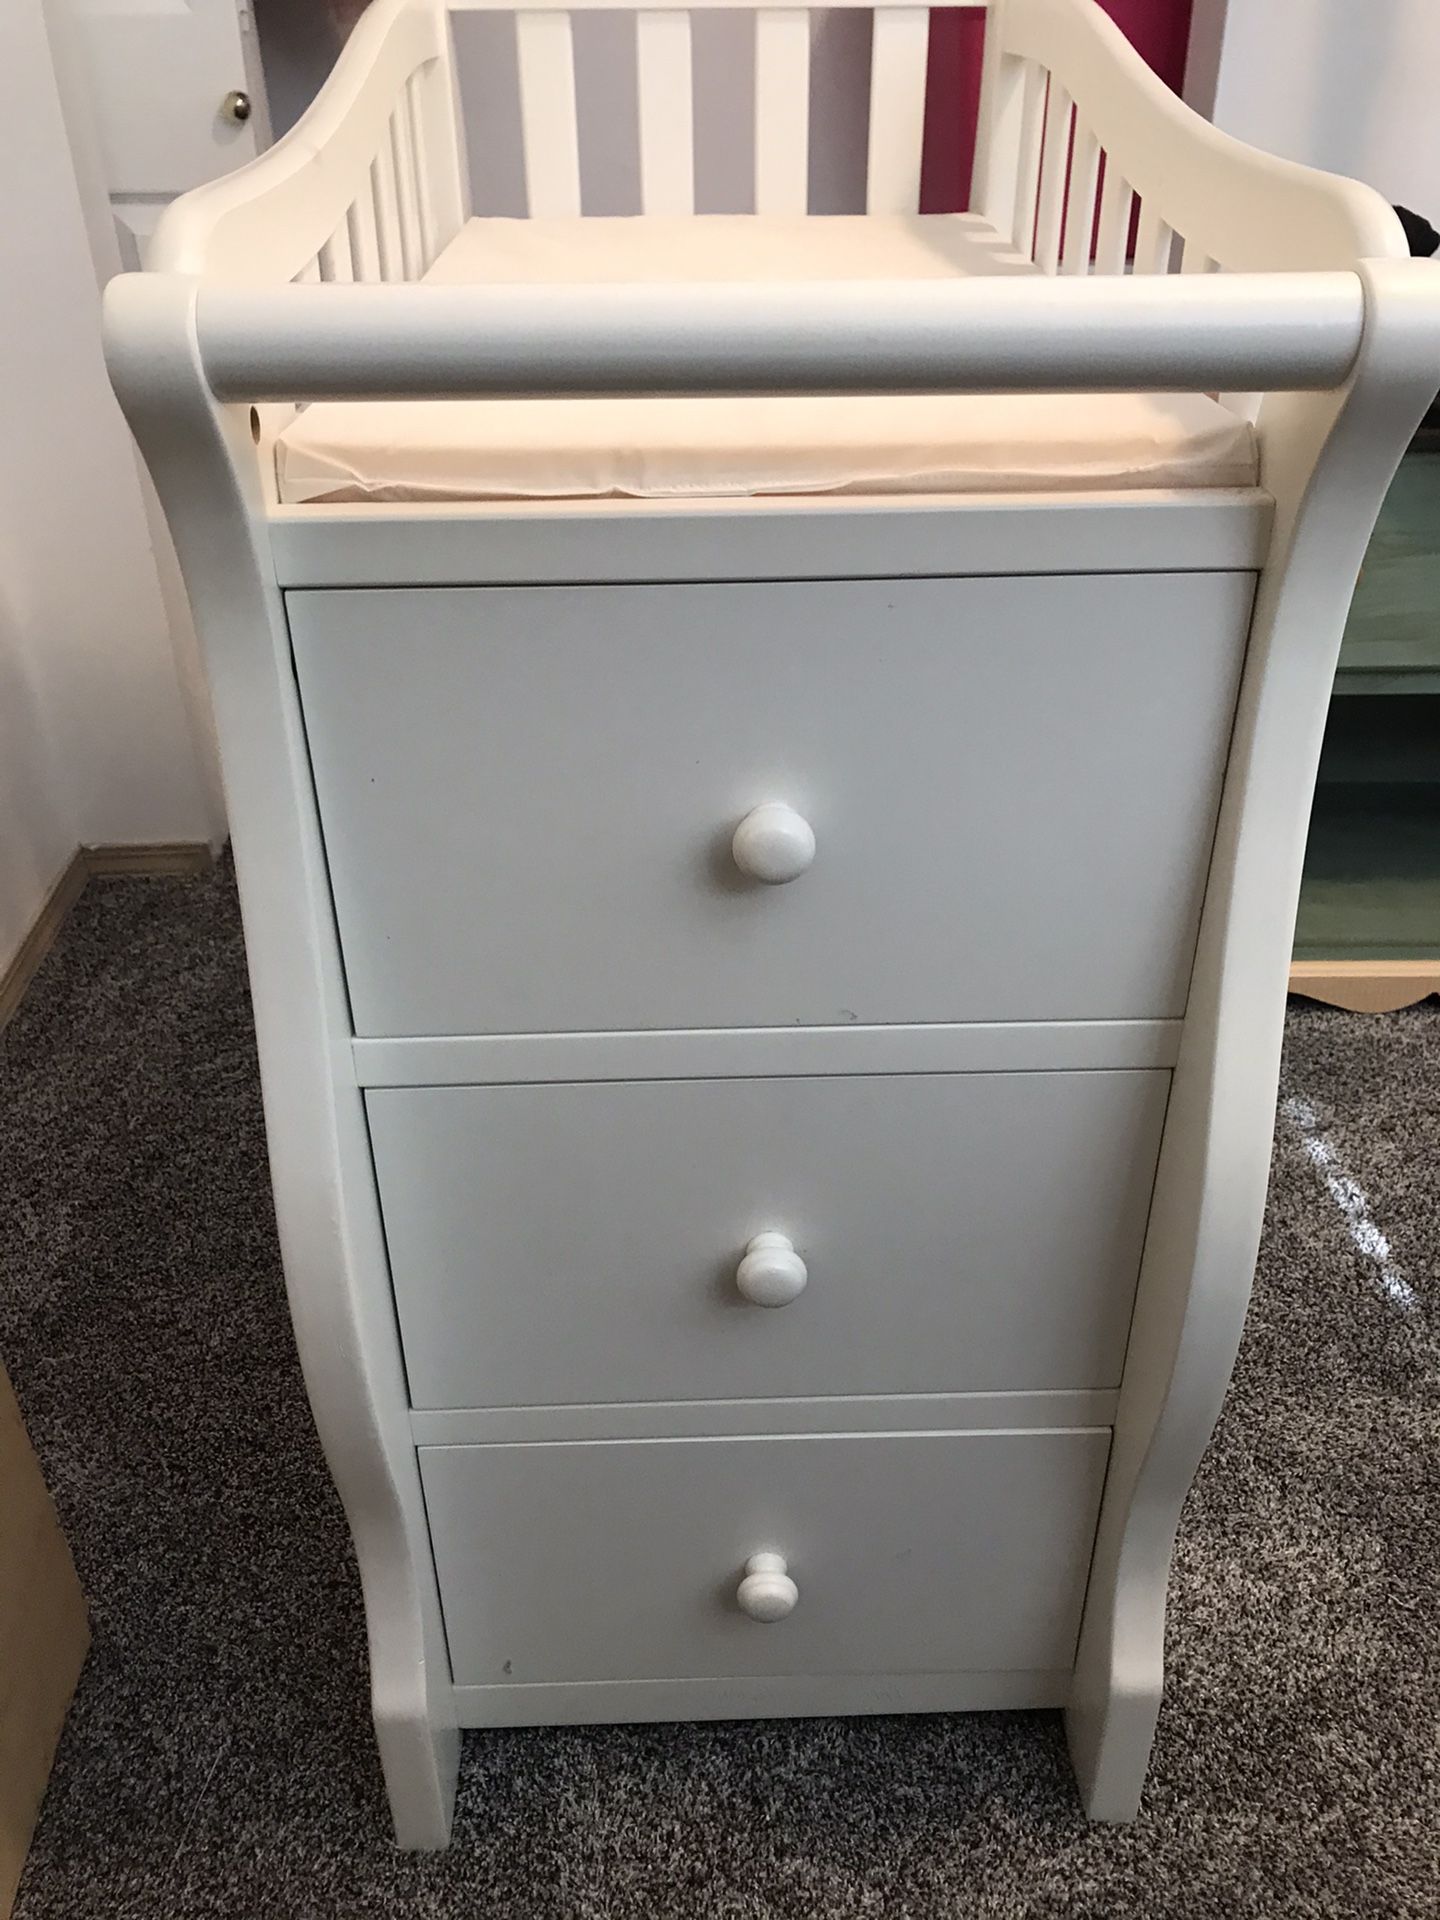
1368, 933
1372, 875
1392, 638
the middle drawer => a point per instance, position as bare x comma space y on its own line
958, 1232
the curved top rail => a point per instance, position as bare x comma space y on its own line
1195, 333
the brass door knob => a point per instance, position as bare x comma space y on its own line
236, 108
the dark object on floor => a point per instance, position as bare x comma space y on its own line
1422, 240
1420, 236
43, 1637
218, 1760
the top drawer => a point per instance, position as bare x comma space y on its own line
529, 794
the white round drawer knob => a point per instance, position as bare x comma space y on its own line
767, 1592
773, 843
772, 1274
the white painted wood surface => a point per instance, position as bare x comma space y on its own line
331, 1240
1035, 96
963, 1233
899, 51
1195, 530
552, 897
270, 222
1329, 461
759, 1696
1154, 240
1007, 334
406, 160
1242, 209
1246, 209
547, 113
782, 110
711, 1419
960, 1552
999, 135
385, 204
992, 1046
1313, 296
1080, 200
1054, 169
1112, 241
667, 137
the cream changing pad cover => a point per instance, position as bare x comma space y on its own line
440, 450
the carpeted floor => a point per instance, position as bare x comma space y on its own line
219, 1761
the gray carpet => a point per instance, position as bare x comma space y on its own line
219, 1762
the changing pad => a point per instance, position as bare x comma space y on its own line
446, 450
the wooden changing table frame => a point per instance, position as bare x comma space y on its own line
1318, 308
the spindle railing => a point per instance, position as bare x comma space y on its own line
1086, 163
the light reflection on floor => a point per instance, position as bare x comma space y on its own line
1349, 1197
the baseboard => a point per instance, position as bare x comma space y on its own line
165, 856
43, 930
168, 857
1366, 986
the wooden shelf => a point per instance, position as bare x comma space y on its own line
1365, 986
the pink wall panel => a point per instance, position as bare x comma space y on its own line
1159, 29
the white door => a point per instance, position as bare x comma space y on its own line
178, 98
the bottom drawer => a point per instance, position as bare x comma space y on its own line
622, 1560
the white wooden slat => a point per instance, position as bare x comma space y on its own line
1153, 241
1080, 201
1032, 136
997, 136
310, 273
549, 129
424, 198
1194, 259
334, 258
899, 52
386, 199
1054, 167
364, 246
1117, 201
402, 149
667, 133
782, 111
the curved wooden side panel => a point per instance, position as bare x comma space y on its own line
1328, 459
390, 98
330, 1234
1242, 208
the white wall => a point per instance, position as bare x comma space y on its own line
1349, 85
99, 742
38, 831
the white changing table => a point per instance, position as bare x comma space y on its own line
769, 1007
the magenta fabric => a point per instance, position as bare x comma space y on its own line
1159, 29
